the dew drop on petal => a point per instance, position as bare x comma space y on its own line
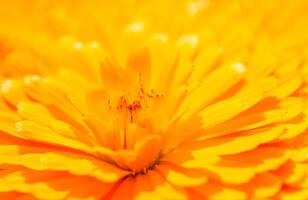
136, 26
239, 67
94, 45
196, 6
190, 39
78, 45
161, 37
18, 126
6, 85
31, 79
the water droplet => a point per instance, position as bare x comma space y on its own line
6, 85
78, 45
135, 27
196, 6
190, 39
161, 37
239, 67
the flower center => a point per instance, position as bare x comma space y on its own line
140, 102
135, 110
139, 141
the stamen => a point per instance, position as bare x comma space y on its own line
130, 107
141, 102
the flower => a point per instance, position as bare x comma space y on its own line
209, 104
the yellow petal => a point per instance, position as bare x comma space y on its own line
238, 143
225, 77
40, 114
12, 91
220, 192
227, 109
74, 164
263, 114
32, 131
241, 168
288, 86
191, 159
180, 176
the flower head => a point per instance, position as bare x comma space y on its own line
145, 109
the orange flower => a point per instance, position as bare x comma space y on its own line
136, 103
